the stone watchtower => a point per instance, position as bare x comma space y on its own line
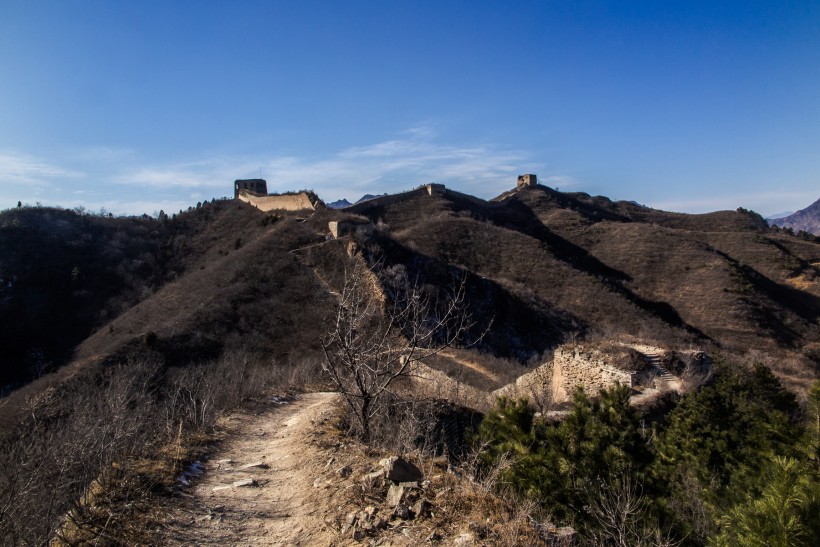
525, 181
257, 186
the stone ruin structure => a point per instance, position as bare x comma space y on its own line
525, 181
588, 367
255, 192
572, 366
257, 186
339, 228
282, 202
435, 189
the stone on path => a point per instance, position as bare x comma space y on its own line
400, 470
394, 495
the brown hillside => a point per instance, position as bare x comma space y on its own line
619, 268
540, 267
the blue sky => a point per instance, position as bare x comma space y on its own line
141, 106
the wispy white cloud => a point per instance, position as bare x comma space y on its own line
113, 178
16, 168
101, 154
386, 166
183, 175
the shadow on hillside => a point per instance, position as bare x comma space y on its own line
594, 209
801, 303
515, 215
177, 350
511, 327
520, 217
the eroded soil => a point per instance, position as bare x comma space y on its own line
263, 485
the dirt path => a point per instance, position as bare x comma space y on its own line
471, 364
259, 487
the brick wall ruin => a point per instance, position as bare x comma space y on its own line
339, 228
257, 186
527, 180
577, 365
572, 366
286, 202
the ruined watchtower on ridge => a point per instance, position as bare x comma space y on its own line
257, 186
525, 181
435, 189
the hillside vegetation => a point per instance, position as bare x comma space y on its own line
540, 266
578, 263
125, 339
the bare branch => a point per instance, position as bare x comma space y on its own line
372, 340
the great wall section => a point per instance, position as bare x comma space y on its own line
551, 384
285, 202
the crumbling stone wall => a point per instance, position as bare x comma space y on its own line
571, 366
287, 202
579, 365
338, 228
527, 180
536, 386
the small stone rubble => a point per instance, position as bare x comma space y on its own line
405, 495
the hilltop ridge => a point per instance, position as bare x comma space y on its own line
805, 220
542, 264
192, 316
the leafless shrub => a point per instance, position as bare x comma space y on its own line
620, 513
404, 426
540, 398
53, 459
78, 463
688, 505
373, 341
495, 513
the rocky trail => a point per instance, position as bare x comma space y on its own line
280, 477
259, 487
477, 367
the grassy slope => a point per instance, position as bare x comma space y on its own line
254, 295
541, 264
622, 269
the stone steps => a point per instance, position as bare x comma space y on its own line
654, 360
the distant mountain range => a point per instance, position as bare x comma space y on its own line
807, 220
339, 204
342, 203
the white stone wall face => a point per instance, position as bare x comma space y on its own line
572, 366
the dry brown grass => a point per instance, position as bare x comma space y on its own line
91, 459
460, 505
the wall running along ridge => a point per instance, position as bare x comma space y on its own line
290, 202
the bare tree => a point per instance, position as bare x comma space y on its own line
620, 513
373, 340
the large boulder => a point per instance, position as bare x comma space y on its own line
398, 469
